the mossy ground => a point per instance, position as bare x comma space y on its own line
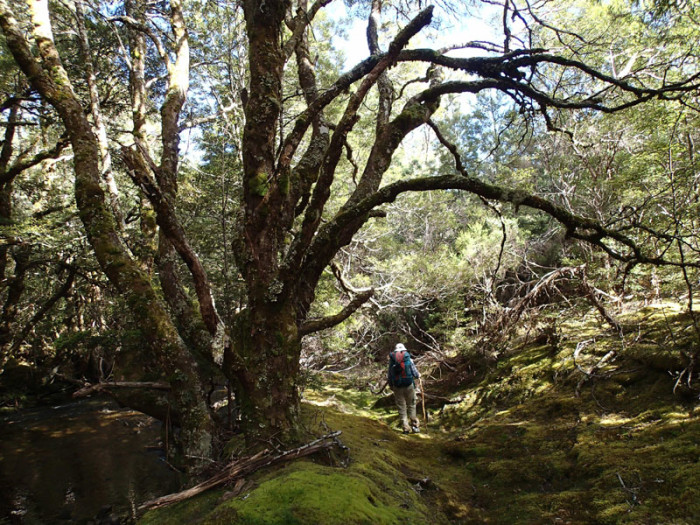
525, 441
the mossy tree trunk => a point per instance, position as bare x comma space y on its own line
263, 362
263, 359
49, 78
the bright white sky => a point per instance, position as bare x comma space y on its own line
472, 28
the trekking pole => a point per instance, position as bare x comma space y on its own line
422, 398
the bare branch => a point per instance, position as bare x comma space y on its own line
321, 191
242, 467
199, 121
61, 292
148, 31
89, 390
374, 65
578, 227
300, 23
173, 230
317, 324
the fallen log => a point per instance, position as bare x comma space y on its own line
88, 390
242, 467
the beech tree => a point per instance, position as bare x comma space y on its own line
286, 234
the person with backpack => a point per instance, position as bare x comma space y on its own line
401, 376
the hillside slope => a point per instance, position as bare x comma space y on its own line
522, 440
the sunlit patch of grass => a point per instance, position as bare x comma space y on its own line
618, 452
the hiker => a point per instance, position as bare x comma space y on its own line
402, 373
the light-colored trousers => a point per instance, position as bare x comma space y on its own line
406, 402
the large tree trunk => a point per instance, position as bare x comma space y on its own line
263, 359
263, 364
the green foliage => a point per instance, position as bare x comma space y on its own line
515, 445
436, 258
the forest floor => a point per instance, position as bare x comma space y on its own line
522, 440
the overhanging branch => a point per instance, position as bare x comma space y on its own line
321, 323
322, 189
362, 295
578, 227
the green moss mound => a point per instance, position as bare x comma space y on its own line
309, 493
543, 446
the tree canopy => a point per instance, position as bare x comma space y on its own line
227, 169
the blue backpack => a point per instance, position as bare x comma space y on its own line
400, 374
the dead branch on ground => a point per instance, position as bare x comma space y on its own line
88, 390
547, 286
590, 373
242, 467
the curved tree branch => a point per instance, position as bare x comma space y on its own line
317, 324
338, 232
173, 230
578, 227
306, 171
298, 251
146, 30
50, 153
301, 22
371, 68
61, 292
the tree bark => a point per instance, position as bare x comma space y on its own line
263, 360
263, 364
10, 308
147, 244
96, 111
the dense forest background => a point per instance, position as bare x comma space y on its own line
209, 195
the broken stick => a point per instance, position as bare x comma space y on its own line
241, 468
422, 398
